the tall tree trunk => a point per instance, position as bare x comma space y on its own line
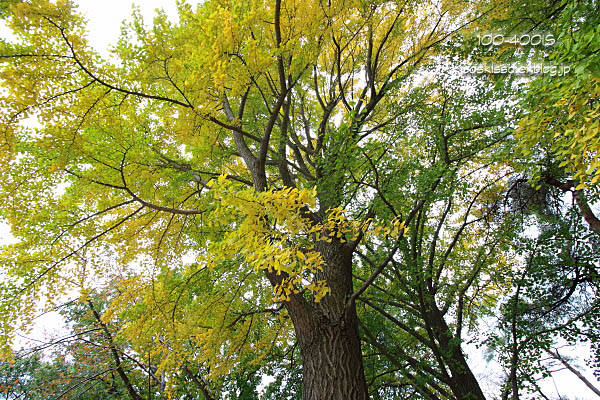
463, 383
327, 333
332, 362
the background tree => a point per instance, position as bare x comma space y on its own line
91, 361
554, 298
82, 363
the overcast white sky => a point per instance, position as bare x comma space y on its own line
105, 16
105, 19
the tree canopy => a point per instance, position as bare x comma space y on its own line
310, 191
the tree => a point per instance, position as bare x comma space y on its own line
554, 299
564, 123
312, 152
555, 292
84, 363
90, 361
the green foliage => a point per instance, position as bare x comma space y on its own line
561, 127
263, 178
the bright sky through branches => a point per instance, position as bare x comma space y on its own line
105, 17
104, 22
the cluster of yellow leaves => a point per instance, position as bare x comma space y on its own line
272, 231
268, 230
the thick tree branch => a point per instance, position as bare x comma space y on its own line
115, 354
555, 354
103, 82
199, 382
586, 211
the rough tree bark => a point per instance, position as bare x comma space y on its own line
327, 332
462, 382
